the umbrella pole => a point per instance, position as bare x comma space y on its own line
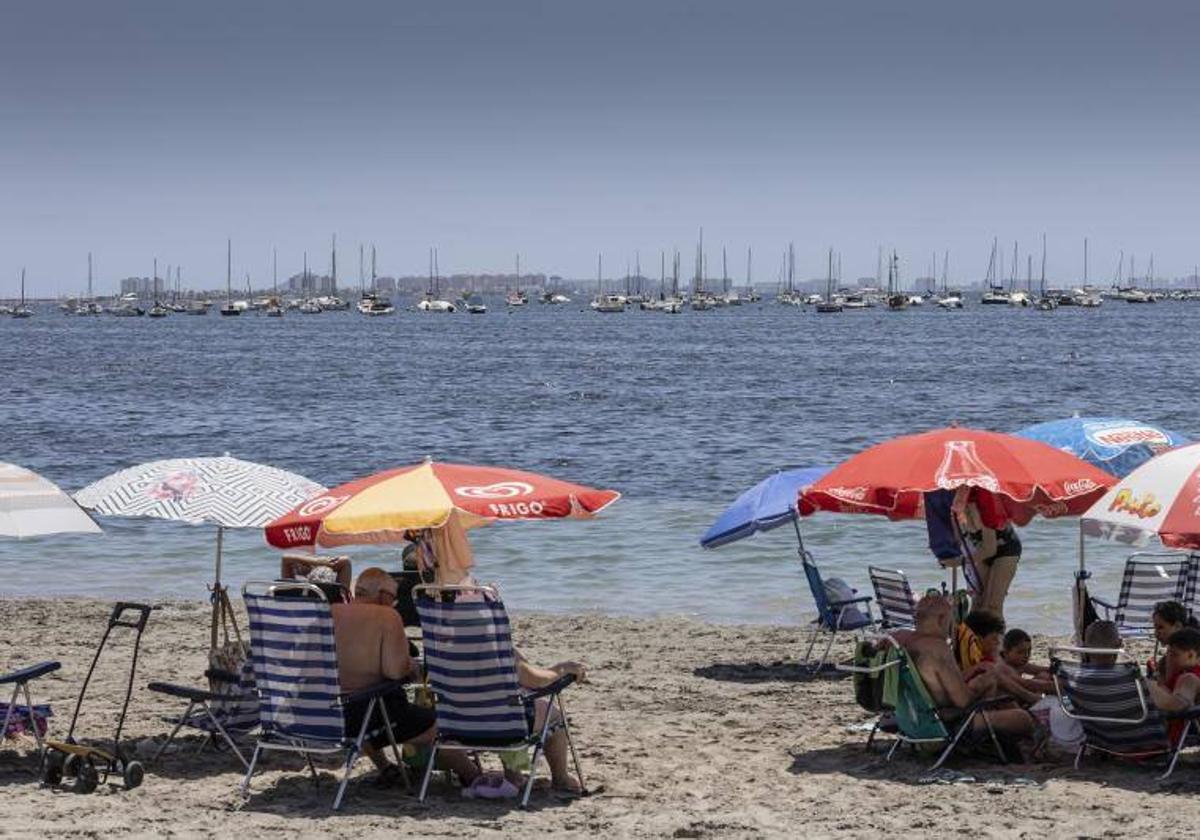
799, 537
217, 592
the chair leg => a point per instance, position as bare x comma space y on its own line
37, 732
562, 710
163, 748
812, 641
10, 711
1178, 749
825, 655
537, 749
224, 734
954, 741
895, 746
396, 754
428, 772
871, 737
351, 755
250, 771
1079, 755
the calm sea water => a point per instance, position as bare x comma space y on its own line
680, 413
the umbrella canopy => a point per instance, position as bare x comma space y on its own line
1161, 498
766, 505
891, 478
1113, 444
222, 491
31, 506
380, 508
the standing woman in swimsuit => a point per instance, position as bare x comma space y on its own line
994, 545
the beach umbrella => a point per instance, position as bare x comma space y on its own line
1160, 499
767, 505
1027, 477
381, 508
1113, 444
32, 506
223, 491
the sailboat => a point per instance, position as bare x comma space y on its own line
1016, 297
372, 302
994, 294
1087, 296
274, 309
829, 303
227, 308
602, 302
21, 310
433, 301
896, 300
789, 296
516, 298
157, 310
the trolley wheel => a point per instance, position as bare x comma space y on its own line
70, 765
52, 770
133, 774
86, 778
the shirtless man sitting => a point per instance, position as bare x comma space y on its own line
930, 650
372, 648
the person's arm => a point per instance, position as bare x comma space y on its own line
534, 676
1182, 698
1022, 690
395, 663
955, 688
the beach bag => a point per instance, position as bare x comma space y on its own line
837, 589
230, 654
868, 688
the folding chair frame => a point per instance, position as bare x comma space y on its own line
829, 614
535, 740
21, 678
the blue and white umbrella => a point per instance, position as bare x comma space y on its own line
1113, 444
766, 505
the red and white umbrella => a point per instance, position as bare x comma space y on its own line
1027, 477
1160, 499
383, 507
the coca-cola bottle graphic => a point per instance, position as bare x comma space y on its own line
961, 466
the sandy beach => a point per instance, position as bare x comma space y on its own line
686, 729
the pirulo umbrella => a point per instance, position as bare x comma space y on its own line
32, 506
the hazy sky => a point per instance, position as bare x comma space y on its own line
560, 129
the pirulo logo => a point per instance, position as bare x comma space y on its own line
1145, 506
499, 490
320, 505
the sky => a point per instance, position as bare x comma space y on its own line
560, 130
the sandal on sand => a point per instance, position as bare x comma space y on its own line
389, 775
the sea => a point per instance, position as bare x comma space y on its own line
680, 413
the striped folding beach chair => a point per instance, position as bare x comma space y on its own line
225, 716
1112, 704
472, 669
894, 597
296, 676
1148, 579
833, 617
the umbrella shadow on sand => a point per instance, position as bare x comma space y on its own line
758, 672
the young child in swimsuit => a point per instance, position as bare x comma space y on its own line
1182, 685
1015, 652
988, 631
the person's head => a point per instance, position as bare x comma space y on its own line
1183, 650
1017, 648
1102, 635
1168, 616
933, 613
375, 586
988, 628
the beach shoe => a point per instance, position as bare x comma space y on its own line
491, 786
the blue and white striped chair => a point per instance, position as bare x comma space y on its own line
472, 669
296, 675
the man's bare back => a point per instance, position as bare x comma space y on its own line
371, 645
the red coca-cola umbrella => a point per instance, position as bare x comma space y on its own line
1028, 478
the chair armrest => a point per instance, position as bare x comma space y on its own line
1107, 605
222, 676
861, 599
186, 692
30, 672
550, 690
378, 690
867, 669
1190, 713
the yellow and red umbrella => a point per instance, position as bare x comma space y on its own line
381, 508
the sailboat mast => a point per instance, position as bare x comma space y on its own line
229, 270
1043, 264
89, 275
22, 287
304, 277
333, 266
373, 268
275, 271
1085, 261
154, 282
749, 255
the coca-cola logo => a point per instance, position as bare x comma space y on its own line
848, 494
1053, 509
1079, 486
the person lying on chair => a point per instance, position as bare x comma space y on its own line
930, 650
372, 648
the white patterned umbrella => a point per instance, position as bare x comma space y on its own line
224, 491
31, 506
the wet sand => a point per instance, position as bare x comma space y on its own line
686, 730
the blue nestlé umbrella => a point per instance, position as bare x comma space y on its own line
766, 505
1113, 444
